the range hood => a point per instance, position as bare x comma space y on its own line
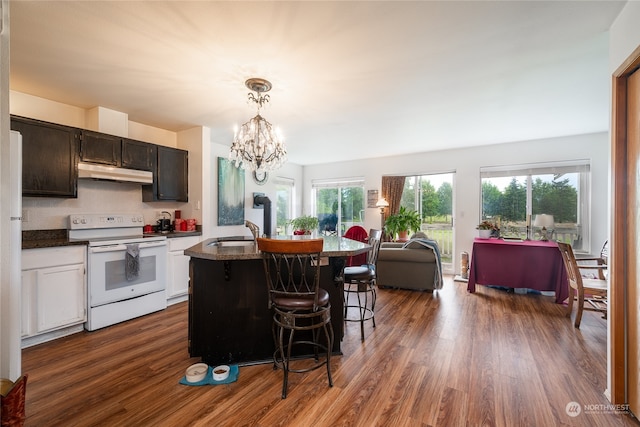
112, 173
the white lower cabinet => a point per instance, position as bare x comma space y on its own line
178, 268
53, 289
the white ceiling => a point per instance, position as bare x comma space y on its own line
350, 79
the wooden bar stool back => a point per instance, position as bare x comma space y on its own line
301, 308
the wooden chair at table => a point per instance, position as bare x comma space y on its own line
601, 262
593, 291
292, 270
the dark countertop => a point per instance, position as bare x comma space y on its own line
242, 247
35, 239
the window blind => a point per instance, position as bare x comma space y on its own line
554, 168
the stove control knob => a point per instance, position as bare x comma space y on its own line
83, 220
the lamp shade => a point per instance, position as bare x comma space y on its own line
382, 203
544, 221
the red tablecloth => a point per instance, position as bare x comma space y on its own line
528, 264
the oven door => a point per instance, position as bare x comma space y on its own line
107, 276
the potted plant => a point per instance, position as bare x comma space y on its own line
402, 223
486, 229
304, 224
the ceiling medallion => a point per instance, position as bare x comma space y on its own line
257, 146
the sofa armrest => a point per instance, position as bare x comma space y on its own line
405, 255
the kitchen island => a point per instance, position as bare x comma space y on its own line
229, 318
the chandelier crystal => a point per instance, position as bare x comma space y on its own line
257, 146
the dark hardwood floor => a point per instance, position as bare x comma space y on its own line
448, 358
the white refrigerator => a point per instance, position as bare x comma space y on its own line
11, 301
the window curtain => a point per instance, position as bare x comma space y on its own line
392, 187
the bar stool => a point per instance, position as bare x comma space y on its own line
301, 308
360, 281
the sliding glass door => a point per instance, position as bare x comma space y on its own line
432, 196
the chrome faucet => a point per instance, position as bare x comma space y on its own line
255, 230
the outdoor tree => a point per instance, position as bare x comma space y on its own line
513, 205
558, 198
491, 200
352, 203
281, 210
445, 199
430, 200
408, 199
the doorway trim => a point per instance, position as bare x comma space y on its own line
619, 280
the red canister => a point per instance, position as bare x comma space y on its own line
177, 214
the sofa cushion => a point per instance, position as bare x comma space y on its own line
406, 255
419, 235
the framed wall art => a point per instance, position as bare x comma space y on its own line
372, 198
230, 193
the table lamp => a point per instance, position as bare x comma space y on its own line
546, 222
382, 203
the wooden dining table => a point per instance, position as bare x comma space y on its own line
529, 264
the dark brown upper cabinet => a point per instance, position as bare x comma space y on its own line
49, 158
171, 177
139, 155
100, 148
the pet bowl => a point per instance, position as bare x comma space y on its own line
196, 372
221, 372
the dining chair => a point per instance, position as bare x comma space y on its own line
360, 282
593, 291
301, 308
357, 233
601, 262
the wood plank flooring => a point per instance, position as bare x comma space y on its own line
447, 358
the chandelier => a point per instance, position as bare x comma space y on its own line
257, 146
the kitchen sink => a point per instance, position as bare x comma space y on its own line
226, 242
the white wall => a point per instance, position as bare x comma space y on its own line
624, 35
466, 164
255, 215
99, 119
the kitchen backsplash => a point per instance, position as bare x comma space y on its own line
93, 197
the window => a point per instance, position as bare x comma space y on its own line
284, 203
432, 196
514, 195
339, 204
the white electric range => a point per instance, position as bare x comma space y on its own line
126, 270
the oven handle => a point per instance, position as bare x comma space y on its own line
122, 247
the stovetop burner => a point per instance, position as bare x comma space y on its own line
106, 229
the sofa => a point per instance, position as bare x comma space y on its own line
411, 265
